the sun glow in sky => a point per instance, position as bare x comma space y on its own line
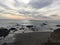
8, 16
25, 1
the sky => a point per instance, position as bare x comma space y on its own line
30, 9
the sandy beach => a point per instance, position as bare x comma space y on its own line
33, 38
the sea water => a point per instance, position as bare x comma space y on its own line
8, 22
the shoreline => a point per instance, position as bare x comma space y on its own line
33, 38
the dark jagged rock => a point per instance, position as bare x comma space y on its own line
58, 25
13, 29
4, 32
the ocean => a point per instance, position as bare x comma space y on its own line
10, 22
50, 24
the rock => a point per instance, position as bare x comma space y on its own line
55, 36
58, 25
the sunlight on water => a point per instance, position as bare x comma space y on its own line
26, 22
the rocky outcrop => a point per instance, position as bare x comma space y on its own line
54, 38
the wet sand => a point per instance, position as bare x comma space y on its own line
33, 38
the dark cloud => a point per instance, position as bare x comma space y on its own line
4, 6
1, 11
24, 12
40, 3
28, 12
40, 16
54, 15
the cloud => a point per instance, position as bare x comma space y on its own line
8, 16
40, 3
27, 12
6, 4
41, 17
18, 3
35, 9
55, 17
